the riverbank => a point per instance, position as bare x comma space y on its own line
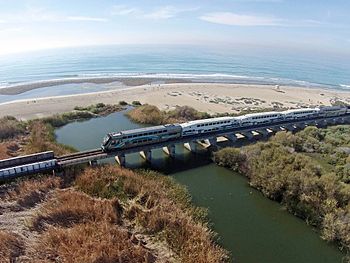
308, 173
212, 98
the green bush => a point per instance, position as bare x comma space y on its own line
123, 103
136, 103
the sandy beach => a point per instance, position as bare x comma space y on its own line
208, 97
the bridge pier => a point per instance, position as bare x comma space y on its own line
93, 163
321, 123
147, 155
191, 146
231, 137
248, 135
264, 133
120, 159
170, 150
275, 129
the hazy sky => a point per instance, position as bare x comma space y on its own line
300, 24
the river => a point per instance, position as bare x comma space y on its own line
253, 228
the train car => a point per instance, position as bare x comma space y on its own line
143, 136
20, 160
298, 114
27, 169
260, 118
332, 111
208, 125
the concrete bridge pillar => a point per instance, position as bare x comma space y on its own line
147, 155
264, 133
248, 135
321, 123
93, 163
191, 146
170, 150
289, 128
347, 119
120, 159
231, 137
340, 120
213, 141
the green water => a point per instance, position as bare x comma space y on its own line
253, 228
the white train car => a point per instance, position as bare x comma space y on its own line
332, 111
208, 125
27, 169
305, 113
260, 118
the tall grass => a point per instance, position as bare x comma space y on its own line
10, 247
159, 206
90, 242
42, 138
27, 193
10, 127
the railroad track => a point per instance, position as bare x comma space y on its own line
79, 155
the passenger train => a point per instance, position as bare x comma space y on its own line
144, 136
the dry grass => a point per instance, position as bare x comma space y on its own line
159, 206
67, 208
10, 127
42, 139
10, 247
29, 192
90, 242
78, 228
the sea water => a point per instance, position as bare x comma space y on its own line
210, 64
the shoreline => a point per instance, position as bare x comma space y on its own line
208, 97
16, 89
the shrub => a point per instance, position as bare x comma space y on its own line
90, 242
136, 103
146, 114
67, 208
10, 127
123, 103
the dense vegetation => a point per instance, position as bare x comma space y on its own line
308, 172
149, 114
82, 113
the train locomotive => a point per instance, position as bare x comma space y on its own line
151, 135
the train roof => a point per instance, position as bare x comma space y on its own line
226, 118
299, 110
145, 129
261, 114
27, 156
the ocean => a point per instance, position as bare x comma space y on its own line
232, 65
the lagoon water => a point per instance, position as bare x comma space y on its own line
229, 64
253, 228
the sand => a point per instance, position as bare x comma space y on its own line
208, 97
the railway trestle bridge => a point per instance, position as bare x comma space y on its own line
25, 166
206, 140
